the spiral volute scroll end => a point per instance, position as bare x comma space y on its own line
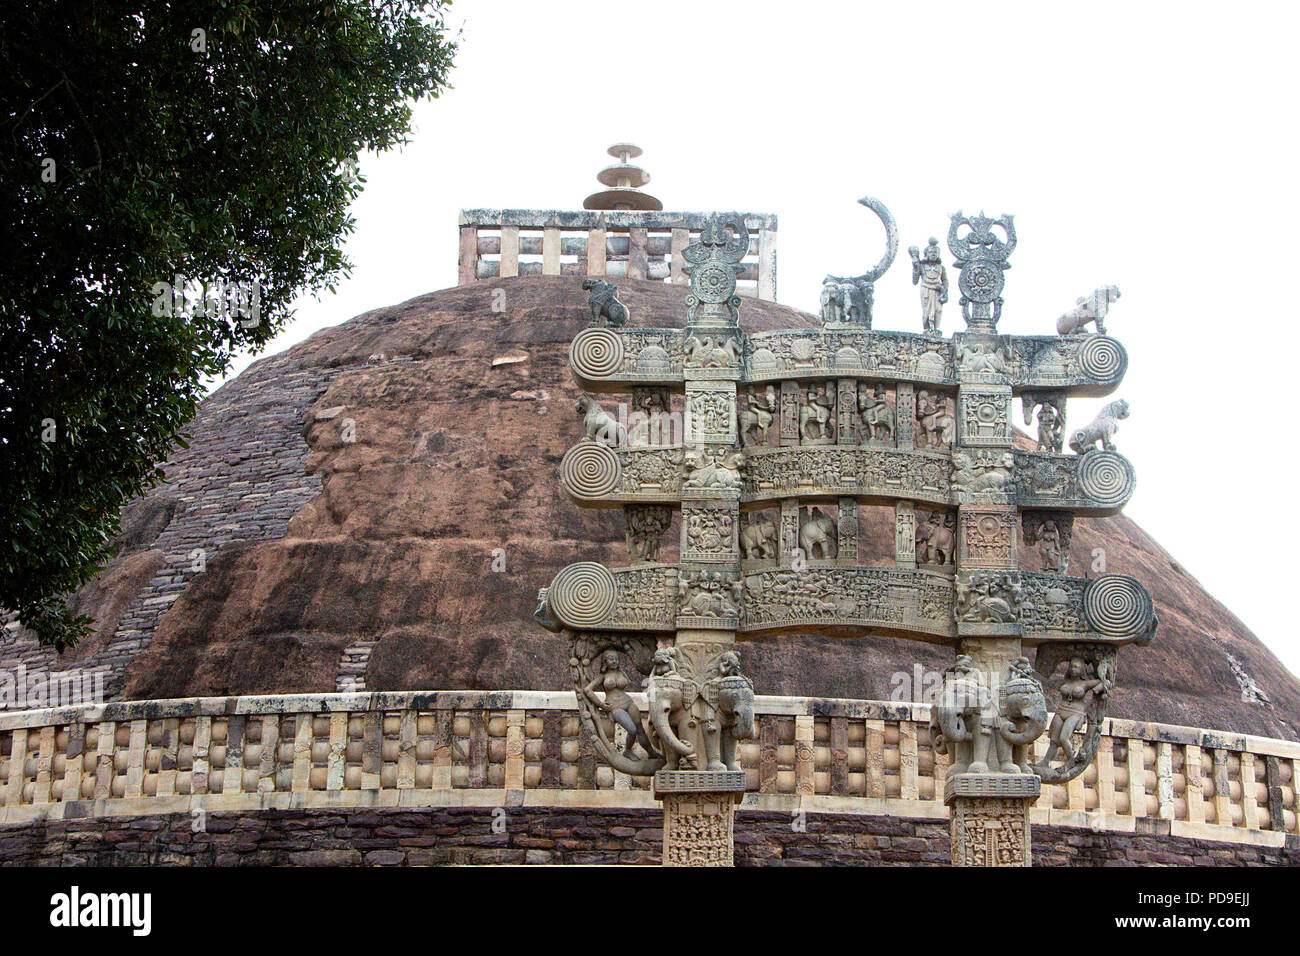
1118, 607
582, 595
1106, 478
1103, 359
589, 471
596, 354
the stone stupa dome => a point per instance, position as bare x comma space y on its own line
282, 557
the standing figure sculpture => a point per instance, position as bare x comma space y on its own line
618, 704
1080, 687
929, 274
1051, 419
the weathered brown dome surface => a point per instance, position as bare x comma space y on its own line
317, 550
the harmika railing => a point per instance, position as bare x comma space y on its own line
613, 243
520, 748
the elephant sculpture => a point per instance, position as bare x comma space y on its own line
1022, 716
729, 697
758, 538
962, 718
817, 535
936, 540
671, 698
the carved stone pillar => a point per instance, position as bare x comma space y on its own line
989, 819
699, 827
847, 402
905, 415
848, 531
988, 794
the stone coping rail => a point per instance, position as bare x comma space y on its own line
526, 748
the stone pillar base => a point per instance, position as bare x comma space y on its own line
989, 818
699, 815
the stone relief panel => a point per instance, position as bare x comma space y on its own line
863, 598
650, 474
710, 531
987, 602
1110, 610
708, 598
847, 531
983, 475
988, 538
761, 407
1084, 364
989, 832
936, 420
605, 356
1052, 605
710, 470
985, 416
877, 422
642, 598
982, 358
841, 471
710, 413
712, 355
799, 353
1096, 483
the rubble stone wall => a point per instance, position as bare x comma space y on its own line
534, 835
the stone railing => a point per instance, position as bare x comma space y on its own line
615, 243
522, 748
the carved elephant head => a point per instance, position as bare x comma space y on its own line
544, 616
670, 713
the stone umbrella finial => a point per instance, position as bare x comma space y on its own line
624, 181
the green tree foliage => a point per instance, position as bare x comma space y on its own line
141, 141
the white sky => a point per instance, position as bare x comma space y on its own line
1149, 145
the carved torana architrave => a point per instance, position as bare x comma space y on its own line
787, 436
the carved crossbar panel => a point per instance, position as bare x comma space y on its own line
1097, 483
608, 360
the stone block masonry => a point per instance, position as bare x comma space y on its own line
240, 481
454, 836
